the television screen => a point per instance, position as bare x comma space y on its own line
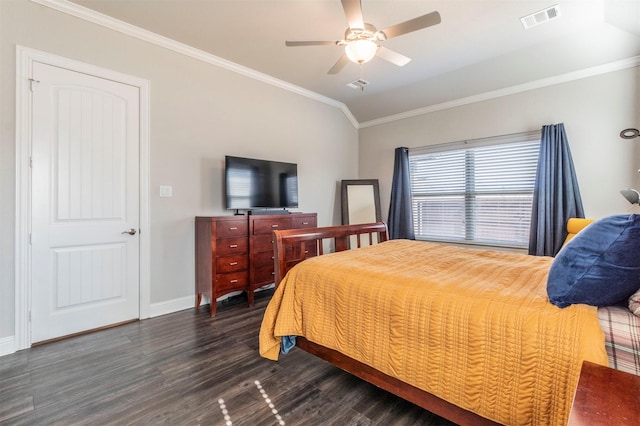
252, 183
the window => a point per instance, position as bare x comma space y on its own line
476, 192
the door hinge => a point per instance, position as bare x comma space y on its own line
31, 83
31, 162
29, 238
29, 316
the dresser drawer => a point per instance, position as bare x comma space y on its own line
303, 222
262, 243
234, 263
264, 274
227, 246
263, 258
230, 282
265, 226
232, 228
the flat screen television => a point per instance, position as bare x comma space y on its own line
260, 184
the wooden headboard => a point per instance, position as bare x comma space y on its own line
295, 245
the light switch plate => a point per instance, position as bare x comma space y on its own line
166, 191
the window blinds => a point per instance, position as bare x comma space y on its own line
477, 192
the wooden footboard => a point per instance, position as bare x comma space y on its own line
293, 246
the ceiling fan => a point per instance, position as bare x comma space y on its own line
362, 40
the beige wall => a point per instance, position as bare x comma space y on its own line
594, 111
199, 113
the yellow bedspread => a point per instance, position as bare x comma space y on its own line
473, 327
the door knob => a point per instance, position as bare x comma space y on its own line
131, 231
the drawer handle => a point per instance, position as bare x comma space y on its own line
273, 273
272, 257
274, 225
305, 223
233, 281
306, 251
233, 228
233, 263
233, 246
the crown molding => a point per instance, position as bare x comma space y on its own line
89, 15
532, 85
97, 18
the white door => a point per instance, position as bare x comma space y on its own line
85, 183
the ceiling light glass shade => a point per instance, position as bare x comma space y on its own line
361, 51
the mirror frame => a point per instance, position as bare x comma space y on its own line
345, 197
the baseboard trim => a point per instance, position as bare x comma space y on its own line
7, 345
171, 306
182, 303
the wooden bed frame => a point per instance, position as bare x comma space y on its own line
293, 246
603, 396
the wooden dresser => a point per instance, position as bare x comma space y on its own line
261, 270
235, 253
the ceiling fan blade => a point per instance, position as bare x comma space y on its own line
353, 12
411, 25
310, 43
339, 65
393, 57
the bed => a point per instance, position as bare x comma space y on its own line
503, 355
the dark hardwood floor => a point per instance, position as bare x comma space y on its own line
188, 369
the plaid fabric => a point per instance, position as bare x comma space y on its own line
622, 338
634, 303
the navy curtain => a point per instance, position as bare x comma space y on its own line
400, 221
556, 196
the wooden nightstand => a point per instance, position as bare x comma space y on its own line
605, 396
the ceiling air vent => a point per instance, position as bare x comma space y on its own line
540, 17
358, 84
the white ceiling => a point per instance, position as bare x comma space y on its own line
479, 47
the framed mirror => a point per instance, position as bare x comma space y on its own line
360, 201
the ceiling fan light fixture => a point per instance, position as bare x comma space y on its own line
361, 38
361, 51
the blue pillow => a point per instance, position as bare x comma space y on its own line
600, 266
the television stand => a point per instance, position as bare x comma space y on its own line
268, 211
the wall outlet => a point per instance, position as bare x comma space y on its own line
166, 191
